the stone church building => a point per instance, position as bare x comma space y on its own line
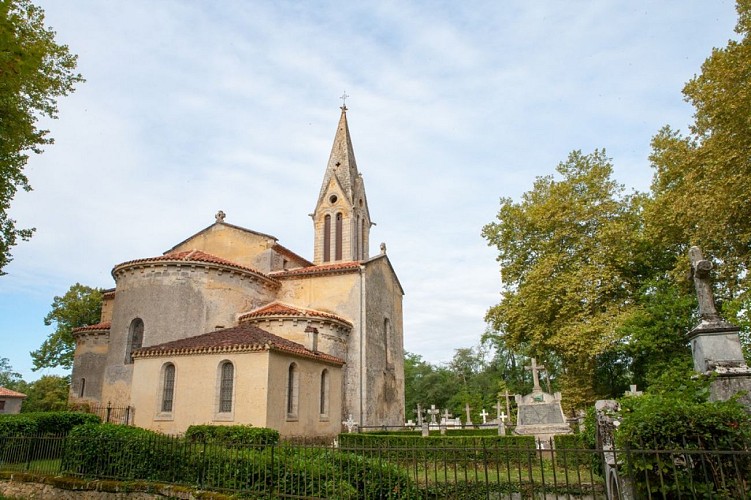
231, 327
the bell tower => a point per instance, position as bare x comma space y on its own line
341, 219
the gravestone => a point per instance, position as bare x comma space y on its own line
715, 343
539, 413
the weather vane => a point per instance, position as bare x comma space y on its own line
344, 99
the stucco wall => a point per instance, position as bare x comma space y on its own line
308, 420
12, 405
90, 362
174, 302
196, 391
384, 359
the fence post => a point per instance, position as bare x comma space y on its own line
109, 410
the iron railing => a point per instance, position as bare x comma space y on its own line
482, 469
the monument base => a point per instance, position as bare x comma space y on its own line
727, 385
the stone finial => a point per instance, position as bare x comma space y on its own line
220, 216
383, 248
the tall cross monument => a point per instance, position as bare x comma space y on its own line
536, 369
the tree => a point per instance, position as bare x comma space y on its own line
80, 306
571, 256
702, 180
49, 393
34, 71
8, 378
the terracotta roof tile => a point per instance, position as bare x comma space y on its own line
105, 325
339, 267
243, 338
280, 309
194, 256
7, 393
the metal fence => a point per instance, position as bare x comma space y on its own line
478, 469
111, 414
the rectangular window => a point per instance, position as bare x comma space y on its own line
2, 405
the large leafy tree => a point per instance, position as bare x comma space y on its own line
80, 306
34, 72
571, 257
8, 377
49, 393
702, 181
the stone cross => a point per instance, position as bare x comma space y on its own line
433, 411
700, 269
419, 414
220, 216
344, 99
484, 416
502, 424
497, 407
469, 419
633, 391
535, 368
350, 423
446, 415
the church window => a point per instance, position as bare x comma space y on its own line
387, 341
293, 382
327, 238
135, 339
225, 387
324, 403
168, 387
83, 388
362, 239
357, 239
338, 237
332, 199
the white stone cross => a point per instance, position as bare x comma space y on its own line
497, 406
350, 423
633, 391
446, 414
469, 418
484, 416
433, 411
503, 416
535, 368
419, 414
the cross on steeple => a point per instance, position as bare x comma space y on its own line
344, 98
535, 368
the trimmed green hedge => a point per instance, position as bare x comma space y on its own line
232, 435
571, 450
128, 453
47, 423
459, 449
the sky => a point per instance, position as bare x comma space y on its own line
190, 107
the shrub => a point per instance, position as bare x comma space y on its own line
232, 435
47, 423
690, 431
571, 451
122, 452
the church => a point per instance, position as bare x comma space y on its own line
231, 327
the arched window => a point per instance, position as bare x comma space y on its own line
168, 387
225, 387
338, 237
82, 391
356, 239
324, 403
293, 381
387, 340
327, 238
135, 339
363, 254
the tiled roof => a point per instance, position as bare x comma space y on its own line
108, 294
7, 393
243, 338
292, 255
105, 325
193, 256
280, 309
339, 267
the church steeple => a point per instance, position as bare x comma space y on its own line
341, 218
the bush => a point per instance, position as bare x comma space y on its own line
56, 423
122, 452
691, 431
232, 435
571, 451
401, 447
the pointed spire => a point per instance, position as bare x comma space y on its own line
342, 164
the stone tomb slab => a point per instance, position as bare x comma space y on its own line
540, 414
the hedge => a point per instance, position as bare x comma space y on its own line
45, 423
232, 435
459, 449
